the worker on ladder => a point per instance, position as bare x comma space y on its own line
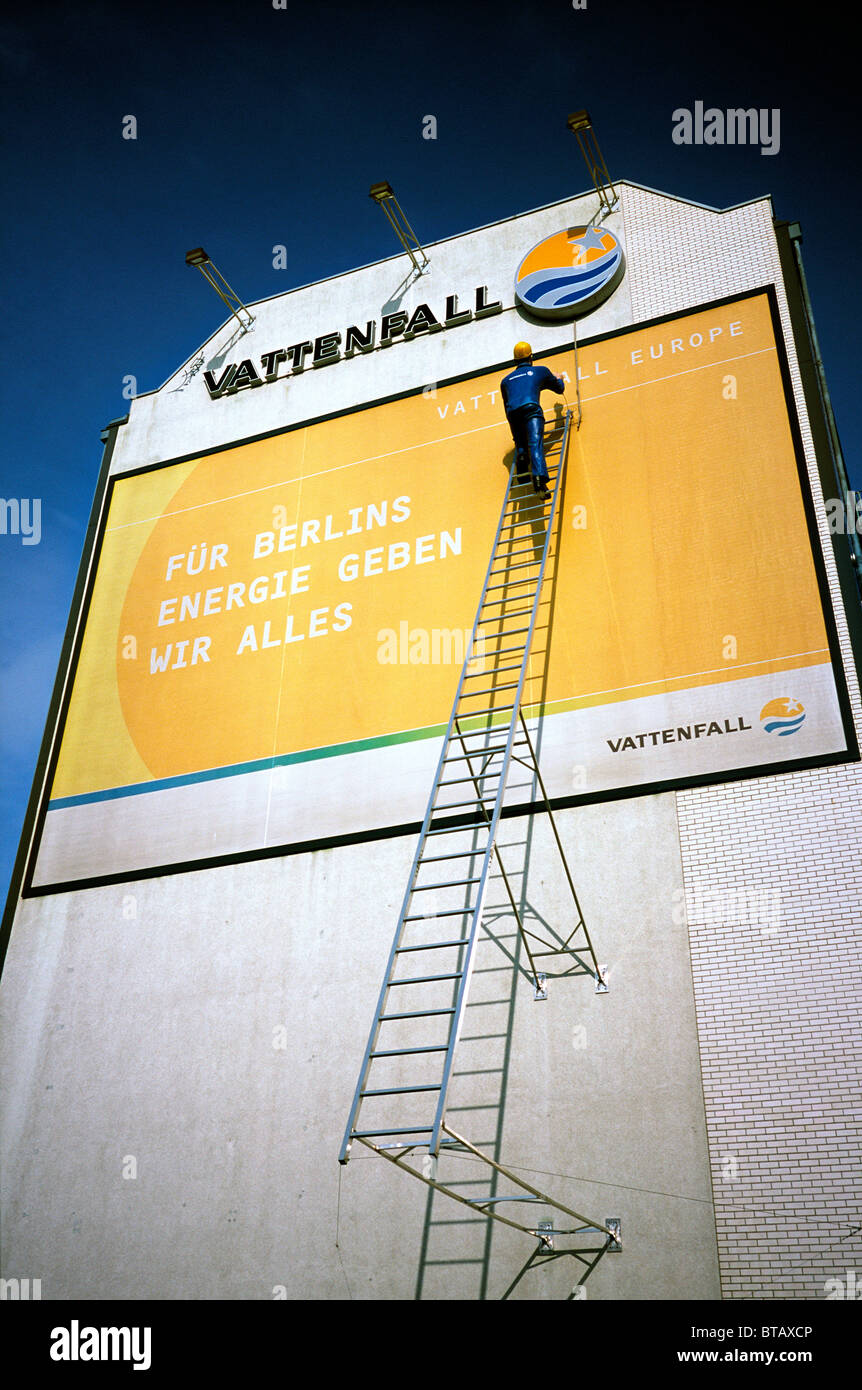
520, 391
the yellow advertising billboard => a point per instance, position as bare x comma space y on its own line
275, 629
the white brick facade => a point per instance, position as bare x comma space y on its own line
777, 1001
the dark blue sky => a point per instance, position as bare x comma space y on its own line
258, 127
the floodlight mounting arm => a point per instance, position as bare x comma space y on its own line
213, 276
581, 126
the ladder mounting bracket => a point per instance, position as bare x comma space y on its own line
602, 980
545, 1231
615, 1224
540, 991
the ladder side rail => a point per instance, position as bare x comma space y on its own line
384, 988
461, 999
429, 812
505, 877
581, 922
469, 657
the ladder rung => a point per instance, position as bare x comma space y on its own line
503, 617
433, 945
461, 1182
450, 912
410, 1051
516, 523
492, 709
482, 623
475, 733
416, 1129
502, 637
524, 550
457, 830
473, 753
510, 526
531, 486
504, 651
453, 883
426, 979
552, 467
482, 750
397, 1091
550, 452
522, 565
379, 1148
456, 854
480, 753
486, 1201
489, 587
413, 1013
477, 776
494, 652
474, 801
552, 474
522, 512
511, 666
529, 516
532, 510
477, 773
491, 690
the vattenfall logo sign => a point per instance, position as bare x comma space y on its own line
564, 276
570, 273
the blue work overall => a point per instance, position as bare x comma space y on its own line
520, 390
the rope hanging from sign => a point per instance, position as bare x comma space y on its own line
577, 375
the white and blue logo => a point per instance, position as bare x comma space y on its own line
782, 716
570, 273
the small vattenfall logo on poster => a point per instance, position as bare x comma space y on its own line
782, 717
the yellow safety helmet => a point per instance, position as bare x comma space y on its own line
521, 350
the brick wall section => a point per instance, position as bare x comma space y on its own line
776, 974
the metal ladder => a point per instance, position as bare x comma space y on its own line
399, 1105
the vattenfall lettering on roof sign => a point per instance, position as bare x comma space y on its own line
332, 347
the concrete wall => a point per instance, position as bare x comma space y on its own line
141, 1020
145, 1024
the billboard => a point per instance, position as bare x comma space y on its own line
275, 629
